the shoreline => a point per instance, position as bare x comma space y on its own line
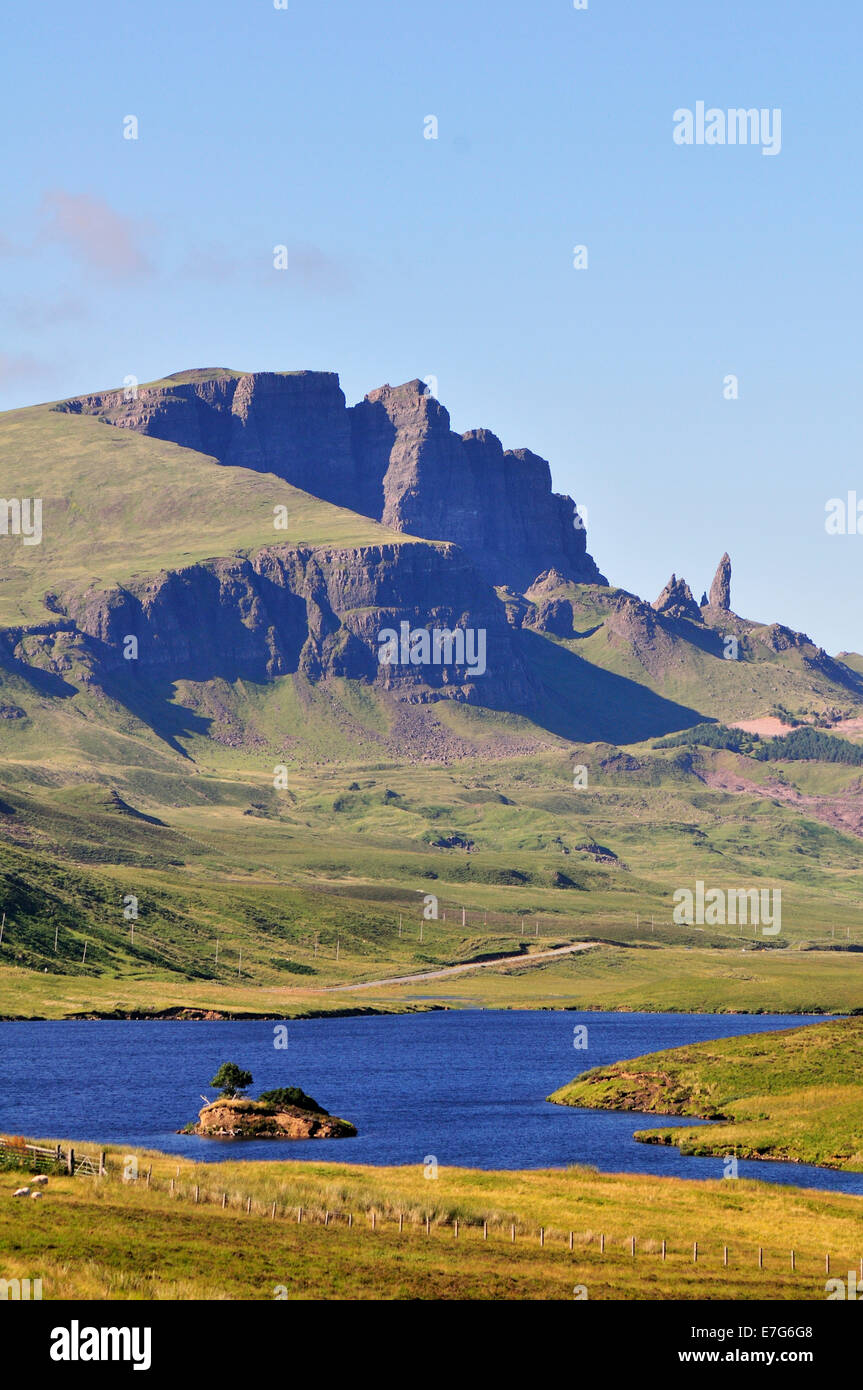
183, 1014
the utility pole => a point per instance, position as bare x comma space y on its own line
316, 947
463, 918
2, 925
400, 924
421, 929
56, 929
217, 953
84, 957
338, 944
240, 966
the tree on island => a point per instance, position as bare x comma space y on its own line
232, 1080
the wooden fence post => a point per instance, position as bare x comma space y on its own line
428, 1225
571, 1239
197, 1193
299, 1215
70, 1163
224, 1200
632, 1246
455, 1229
248, 1206
103, 1167
401, 1222
602, 1245
512, 1235
273, 1217
695, 1252
374, 1219
541, 1237
485, 1230
792, 1261
725, 1255
663, 1249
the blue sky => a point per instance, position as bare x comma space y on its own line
453, 257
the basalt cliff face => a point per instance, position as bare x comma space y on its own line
392, 457
317, 612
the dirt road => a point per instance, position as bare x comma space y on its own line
536, 957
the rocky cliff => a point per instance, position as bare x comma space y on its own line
393, 457
318, 612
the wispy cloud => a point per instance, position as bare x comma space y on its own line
29, 313
319, 271
92, 230
309, 268
22, 367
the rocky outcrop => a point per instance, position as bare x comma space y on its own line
254, 1119
317, 612
392, 457
496, 504
676, 601
720, 589
294, 424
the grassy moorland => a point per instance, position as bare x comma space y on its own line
102, 487
795, 1095
323, 884
110, 1238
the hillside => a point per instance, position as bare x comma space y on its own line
193, 712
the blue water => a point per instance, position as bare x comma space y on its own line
467, 1087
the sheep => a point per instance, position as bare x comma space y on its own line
37, 1193
42, 1180
22, 1192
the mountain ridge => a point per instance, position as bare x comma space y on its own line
502, 555
392, 457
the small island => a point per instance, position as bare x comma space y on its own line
285, 1113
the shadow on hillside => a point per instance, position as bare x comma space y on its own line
43, 682
582, 702
154, 705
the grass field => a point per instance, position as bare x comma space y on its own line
110, 1238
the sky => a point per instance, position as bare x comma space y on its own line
453, 257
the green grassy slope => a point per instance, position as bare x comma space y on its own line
795, 1095
116, 504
